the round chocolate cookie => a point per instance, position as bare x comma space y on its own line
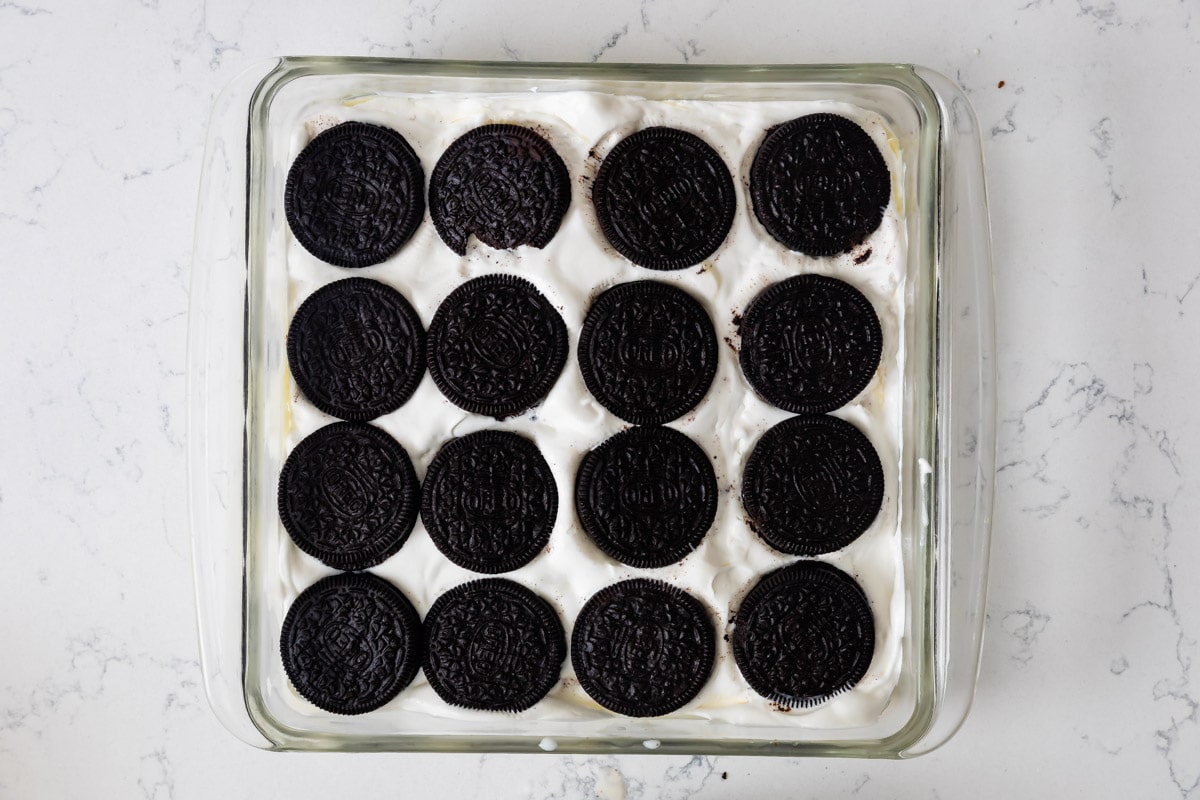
804, 633
646, 496
496, 346
643, 648
348, 495
647, 352
350, 643
812, 485
502, 183
493, 645
356, 349
819, 184
810, 344
489, 501
664, 198
355, 194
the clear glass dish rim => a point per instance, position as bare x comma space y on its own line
935, 97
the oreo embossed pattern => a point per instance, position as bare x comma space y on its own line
355, 194
812, 485
356, 349
647, 352
804, 634
647, 355
490, 501
810, 344
348, 495
647, 496
496, 346
819, 184
643, 648
493, 646
664, 198
351, 642
502, 184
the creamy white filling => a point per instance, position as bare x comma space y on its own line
571, 271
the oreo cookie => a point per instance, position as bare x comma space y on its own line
493, 645
647, 351
643, 648
646, 496
502, 183
356, 349
664, 198
348, 495
819, 184
812, 485
496, 346
355, 194
489, 501
804, 634
810, 344
351, 643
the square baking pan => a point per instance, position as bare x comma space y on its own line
245, 413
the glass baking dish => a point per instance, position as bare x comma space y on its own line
944, 470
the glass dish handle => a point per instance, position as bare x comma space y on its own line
215, 393
967, 417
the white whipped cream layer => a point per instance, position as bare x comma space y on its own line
577, 265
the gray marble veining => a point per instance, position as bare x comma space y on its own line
1088, 109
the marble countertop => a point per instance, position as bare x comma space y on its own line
1087, 687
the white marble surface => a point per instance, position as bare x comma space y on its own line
1087, 686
